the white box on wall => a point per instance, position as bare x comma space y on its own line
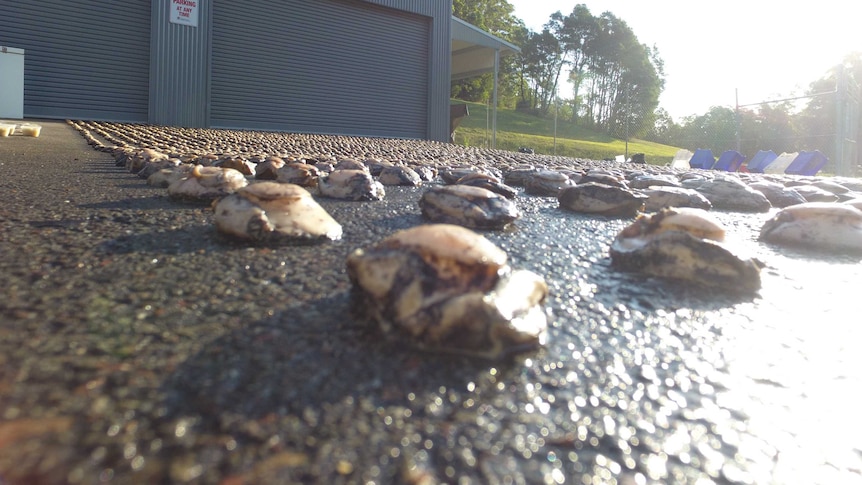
11, 82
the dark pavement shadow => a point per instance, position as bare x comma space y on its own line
188, 239
308, 356
159, 201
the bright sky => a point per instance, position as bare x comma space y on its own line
765, 49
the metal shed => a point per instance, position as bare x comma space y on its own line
356, 67
365, 71
83, 60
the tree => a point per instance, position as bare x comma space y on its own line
664, 129
624, 84
819, 117
715, 130
542, 58
574, 32
616, 80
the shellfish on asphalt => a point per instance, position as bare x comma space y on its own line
155, 165
597, 198
467, 206
857, 203
813, 193
240, 164
451, 175
298, 173
351, 164
350, 185
399, 175
671, 196
165, 177
732, 194
268, 169
135, 159
488, 182
272, 211
604, 178
777, 194
644, 181
518, 177
447, 288
426, 173
204, 184
683, 244
547, 183
829, 226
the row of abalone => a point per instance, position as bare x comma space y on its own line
358, 168
265, 184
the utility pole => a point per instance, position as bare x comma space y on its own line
841, 165
738, 134
628, 117
556, 109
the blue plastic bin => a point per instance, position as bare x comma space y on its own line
729, 161
702, 158
807, 163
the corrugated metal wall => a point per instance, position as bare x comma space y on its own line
320, 66
376, 67
83, 58
179, 67
440, 13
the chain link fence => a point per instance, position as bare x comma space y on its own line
826, 121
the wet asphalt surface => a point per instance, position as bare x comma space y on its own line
139, 346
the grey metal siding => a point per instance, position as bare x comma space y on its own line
83, 58
440, 12
179, 68
320, 66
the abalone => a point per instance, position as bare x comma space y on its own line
488, 182
827, 226
447, 288
268, 169
813, 193
547, 183
240, 164
659, 197
684, 244
165, 177
298, 173
204, 184
155, 165
399, 175
350, 185
467, 206
777, 194
272, 211
598, 198
644, 181
732, 194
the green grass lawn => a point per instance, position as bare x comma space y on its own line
516, 129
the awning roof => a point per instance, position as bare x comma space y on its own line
473, 50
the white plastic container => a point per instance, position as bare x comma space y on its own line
6, 129
12, 81
781, 163
680, 160
30, 129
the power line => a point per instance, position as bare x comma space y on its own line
826, 93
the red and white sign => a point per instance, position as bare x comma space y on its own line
184, 12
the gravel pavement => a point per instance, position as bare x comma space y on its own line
139, 346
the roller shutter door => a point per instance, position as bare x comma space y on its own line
85, 59
320, 66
